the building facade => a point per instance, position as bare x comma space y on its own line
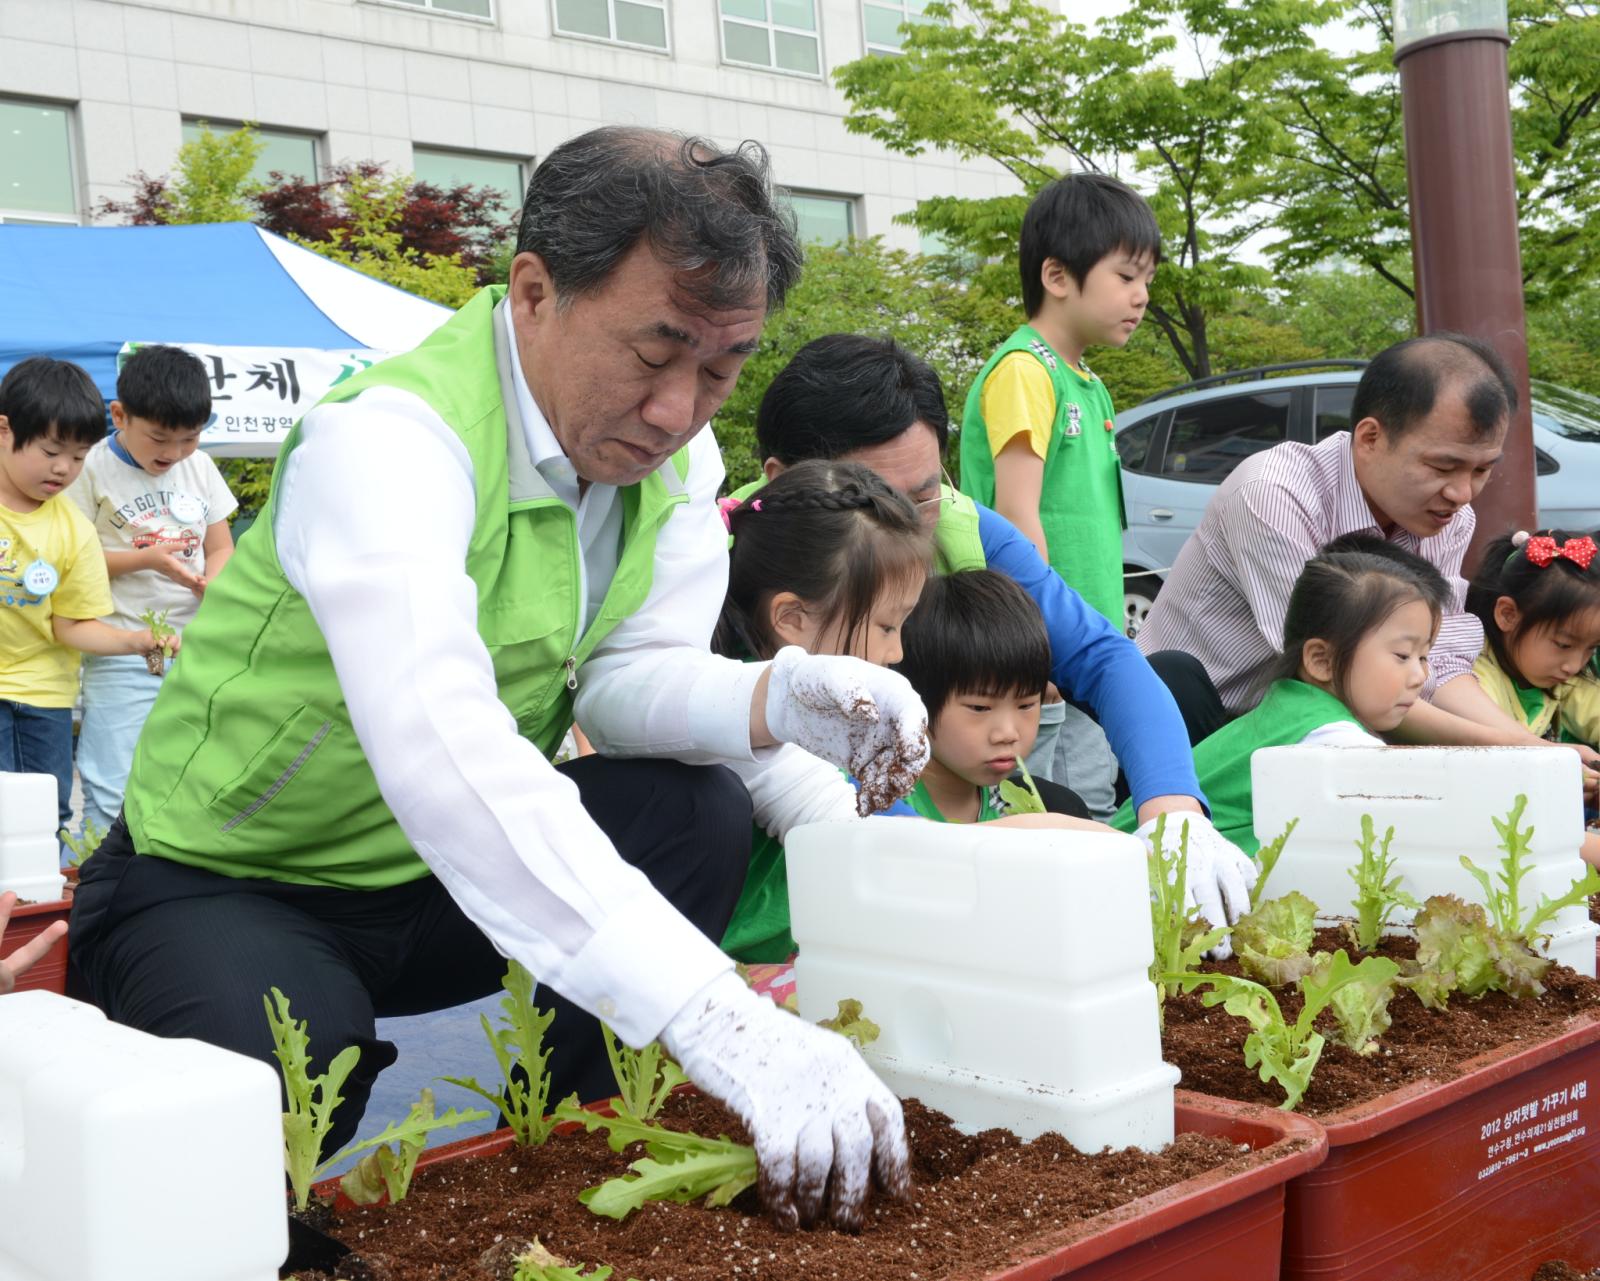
453, 90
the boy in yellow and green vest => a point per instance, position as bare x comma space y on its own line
1036, 437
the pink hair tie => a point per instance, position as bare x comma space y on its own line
725, 507
756, 506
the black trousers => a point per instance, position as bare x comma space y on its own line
1197, 698
177, 951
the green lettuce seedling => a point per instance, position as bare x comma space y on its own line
1182, 935
538, 1264
1360, 1005
1273, 943
1266, 859
1460, 950
644, 1077
1280, 1051
389, 1170
849, 1023
518, 1046
85, 845
1504, 901
1378, 893
312, 1100
677, 1166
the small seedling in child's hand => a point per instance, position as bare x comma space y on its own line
156, 660
524, 1062
83, 846
390, 1169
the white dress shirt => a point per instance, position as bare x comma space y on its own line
374, 517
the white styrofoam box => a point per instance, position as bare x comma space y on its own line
27, 806
1007, 969
31, 865
30, 853
127, 1157
1441, 802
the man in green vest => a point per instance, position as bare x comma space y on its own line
344, 792
870, 401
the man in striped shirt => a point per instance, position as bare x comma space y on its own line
1429, 419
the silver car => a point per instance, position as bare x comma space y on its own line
1176, 448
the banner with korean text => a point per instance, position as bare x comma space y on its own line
259, 393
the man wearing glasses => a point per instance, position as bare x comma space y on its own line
869, 401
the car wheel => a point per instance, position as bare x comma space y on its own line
1138, 594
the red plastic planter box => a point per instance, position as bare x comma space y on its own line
1216, 1226
50, 973
1479, 1179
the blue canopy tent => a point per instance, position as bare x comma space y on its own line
275, 323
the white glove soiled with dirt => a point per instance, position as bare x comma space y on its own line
1220, 875
811, 1103
854, 714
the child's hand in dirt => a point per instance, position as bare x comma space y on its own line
166, 560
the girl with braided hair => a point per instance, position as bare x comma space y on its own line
1538, 597
830, 559
827, 557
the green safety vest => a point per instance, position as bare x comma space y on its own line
248, 765
1290, 711
1080, 498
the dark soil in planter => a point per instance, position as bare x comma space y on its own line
975, 1198
1207, 1044
1559, 1270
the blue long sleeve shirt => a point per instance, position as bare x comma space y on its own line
1100, 669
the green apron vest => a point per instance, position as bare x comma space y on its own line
1080, 498
1290, 711
957, 545
248, 765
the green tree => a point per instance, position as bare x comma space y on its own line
371, 243
1338, 177
1007, 81
211, 183
863, 288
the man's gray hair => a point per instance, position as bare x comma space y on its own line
596, 195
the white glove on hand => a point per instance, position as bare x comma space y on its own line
1220, 875
811, 1102
859, 716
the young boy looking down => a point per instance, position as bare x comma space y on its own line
161, 511
1036, 437
976, 652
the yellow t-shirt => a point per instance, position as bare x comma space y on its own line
1018, 399
50, 563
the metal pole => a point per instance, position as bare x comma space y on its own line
1467, 263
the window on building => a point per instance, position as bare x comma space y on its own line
780, 34
447, 169
456, 8
823, 220
292, 154
882, 20
36, 182
635, 22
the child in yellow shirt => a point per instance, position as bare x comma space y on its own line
53, 581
